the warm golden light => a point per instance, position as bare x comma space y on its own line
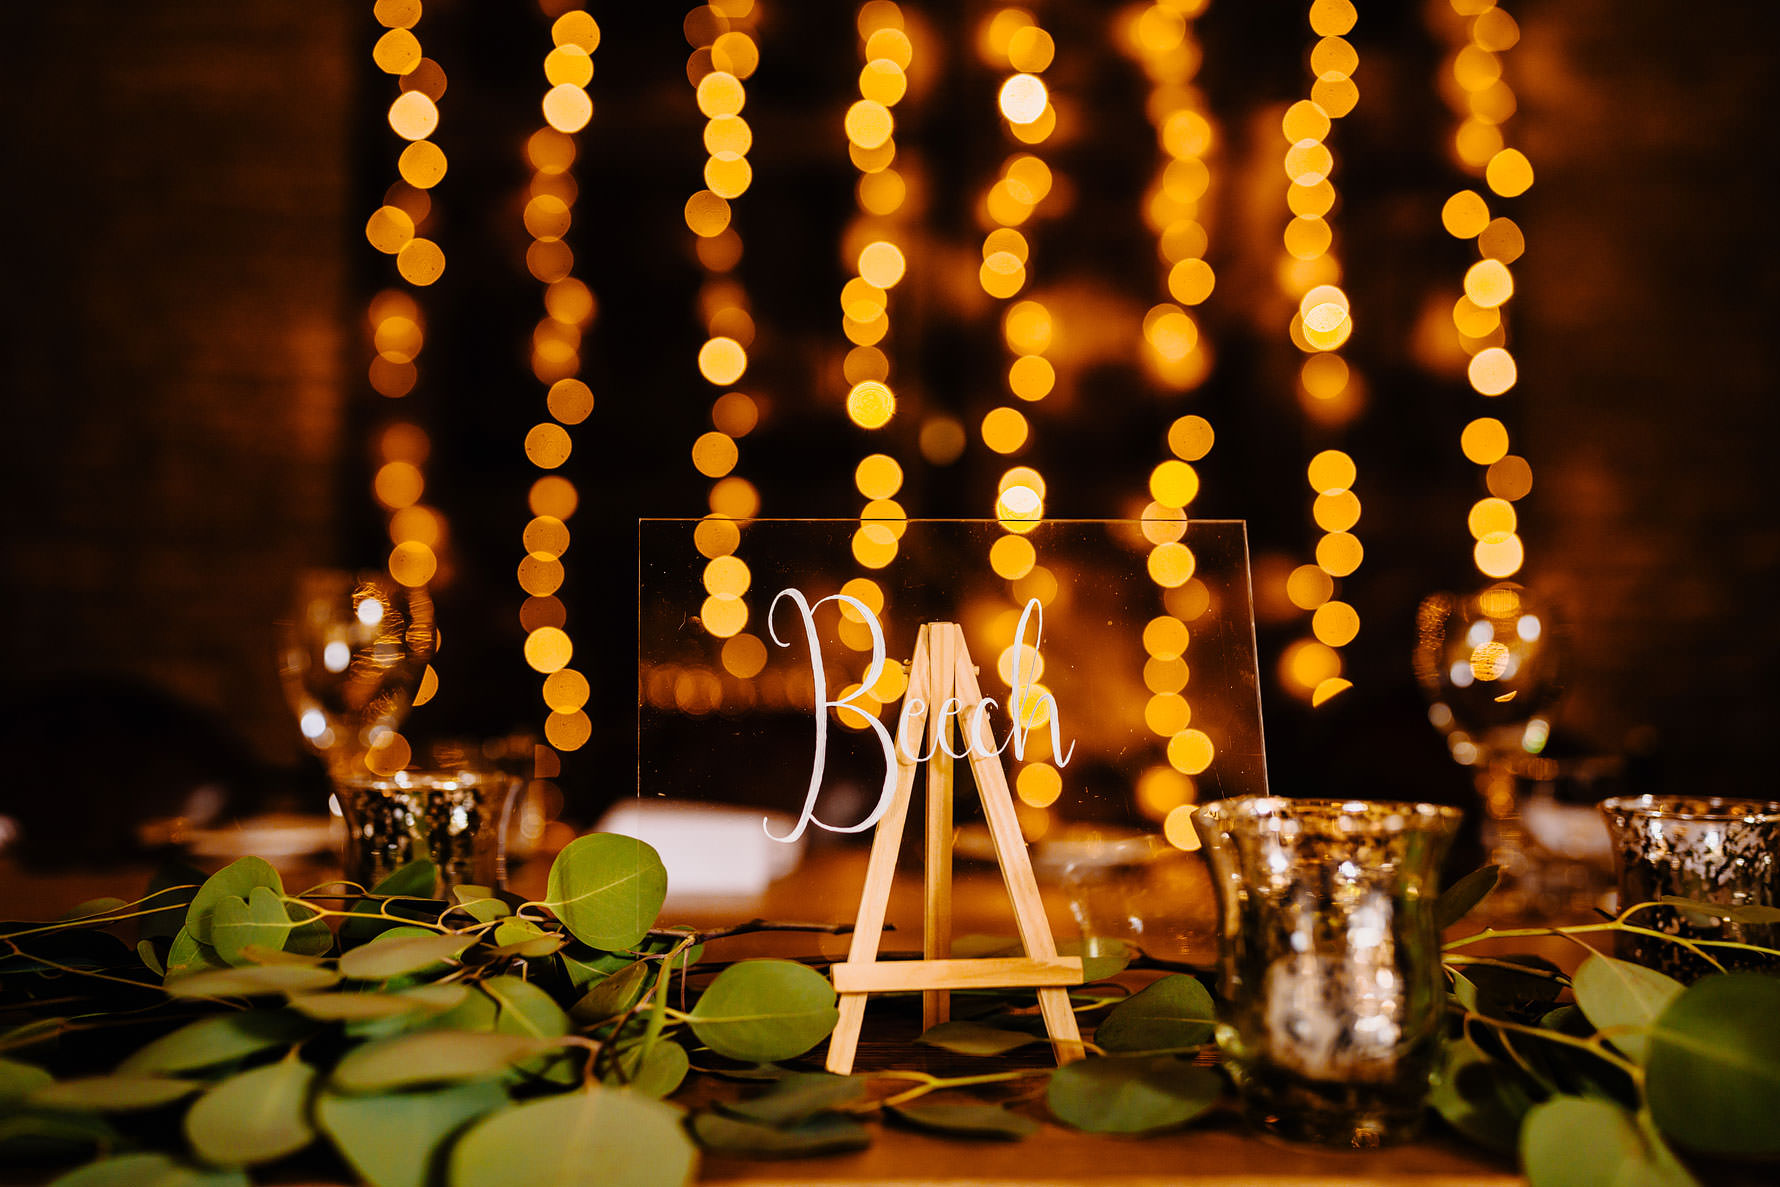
1191, 281
722, 616
1170, 566
1004, 430
1336, 512
553, 495
1304, 120
869, 123
412, 563
1484, 441
878, 476
1308, 587
567, 108
1488, 284
881, 264
735, 497
1339, 553
720, 94
568, 65
716, 536
1491, 517
722, 361
1335, 624
744, 656
1492, 371
1509, 173
728, 175
1174, 483
1012, 557
1331, 471
547, 446
1023, 99
1511, 478
1031, 377
714, 454
413, 116
1190, 752
871, 404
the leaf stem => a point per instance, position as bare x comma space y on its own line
1592, 1044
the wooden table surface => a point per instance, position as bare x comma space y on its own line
1216, 1151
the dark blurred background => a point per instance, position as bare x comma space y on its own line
189, 422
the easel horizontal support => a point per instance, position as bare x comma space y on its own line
994, 972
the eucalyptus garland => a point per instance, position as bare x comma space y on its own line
390, 1036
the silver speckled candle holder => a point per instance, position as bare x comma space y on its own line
1720, 851
1333, 1002
457, 819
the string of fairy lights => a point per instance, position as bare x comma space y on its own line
725, 53
568, 308
873, 244
397, 324
1321, 324
878, 244
1011, 42
1160, 38
1480, 32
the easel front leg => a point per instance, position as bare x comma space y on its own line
936, 916
880, 872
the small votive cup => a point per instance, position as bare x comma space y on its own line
1720, 851
455, 819
1333, 1001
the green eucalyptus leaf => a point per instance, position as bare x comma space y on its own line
223, 1038
1175, 1011
19, 1080
253, 1116
256, 921
1480, 1097
351, 1006
1712, 1066
798, 1097
476, 1012
151, 960
976, 1038
92, 909
392, 955
1617, 993
521, 937
583, 965
397, 1139
658, 1071
311, 935
613, 995
828, 1134
235, 880
256, 954
148, 1170
1570, 1141
760, 1011
966, 1120
168, 898
431, 1057
191, 955
1520, 993
607, 889
603, 1137
417, 879
1103, 957
525, 1009
29, 1136
112, 1094
1457, 900
252, 980
1131, 1095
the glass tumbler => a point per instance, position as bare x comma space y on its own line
1332, 1007
456, 819
1720, 851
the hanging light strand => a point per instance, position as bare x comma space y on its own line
1329, 387
874, 245
725, 54
569, 307
1161, 39
397, 323
1479, 33
1012, 43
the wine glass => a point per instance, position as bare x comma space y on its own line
351, 657
1488, 663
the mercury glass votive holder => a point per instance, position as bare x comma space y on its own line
1720, 851
456, 819
1332, 1000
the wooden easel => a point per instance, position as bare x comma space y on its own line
941, 671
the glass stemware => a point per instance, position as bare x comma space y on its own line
351, 657
1488, 663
